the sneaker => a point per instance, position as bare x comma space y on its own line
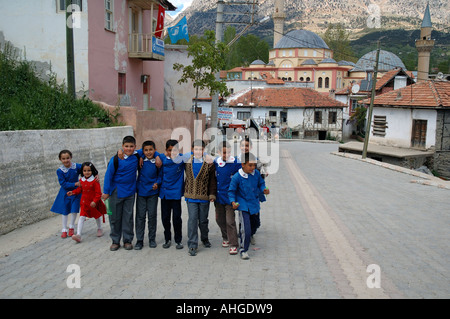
252, 240
206, 243
139, 245
153, 244
77, 238
128, 246
225, 243
114, 247
64, 234
71, 232
99, 233
244, 255
233, 251
167, 244
192, 252
179, 246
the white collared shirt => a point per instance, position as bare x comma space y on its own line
221, 162
244, 174
90, 179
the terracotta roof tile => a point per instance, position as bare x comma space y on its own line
433, 94
283, 97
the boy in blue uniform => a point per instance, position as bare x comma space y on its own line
148, 183
226, 166
244, 193
171, 191
120, 188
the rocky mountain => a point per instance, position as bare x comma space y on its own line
315, 15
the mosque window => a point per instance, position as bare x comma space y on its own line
305, 53
319, 83
301, 79
314, 53
327, 82
308, 79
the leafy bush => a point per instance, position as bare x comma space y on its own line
29, 103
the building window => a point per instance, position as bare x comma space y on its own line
243, 115
318, 117
327, 82
308, 79
332, 117
301, 79
61, 5
319, 84
354, 105
122, 87
379, 125
109, 15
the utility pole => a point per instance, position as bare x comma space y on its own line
372, 97
219, 38
70, 50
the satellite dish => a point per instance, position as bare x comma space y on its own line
355, 88
440, 75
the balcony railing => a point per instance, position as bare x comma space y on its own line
145, 46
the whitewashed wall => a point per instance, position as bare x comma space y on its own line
399, 122
29, 160
39, 31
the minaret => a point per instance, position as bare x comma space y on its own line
278, 21
424, 46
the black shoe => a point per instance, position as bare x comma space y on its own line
167, 244
139, 245
152, 244
206, 243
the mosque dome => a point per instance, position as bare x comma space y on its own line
387, 61
301, 39
258, 62
328, 60
309, 62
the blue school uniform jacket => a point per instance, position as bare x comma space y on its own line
124, 179
224, 173
149, 174
172, 177
67, 177
245, 189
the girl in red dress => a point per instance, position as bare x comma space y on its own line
91, 204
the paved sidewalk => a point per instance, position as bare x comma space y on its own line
326, 220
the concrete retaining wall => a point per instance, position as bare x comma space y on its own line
28, 164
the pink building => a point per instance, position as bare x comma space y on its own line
125, 59
118, 59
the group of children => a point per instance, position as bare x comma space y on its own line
143, 176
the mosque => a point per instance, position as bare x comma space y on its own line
301, 58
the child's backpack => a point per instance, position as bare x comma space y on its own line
116, 161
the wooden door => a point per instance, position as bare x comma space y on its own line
419, 133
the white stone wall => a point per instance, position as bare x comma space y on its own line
28, 164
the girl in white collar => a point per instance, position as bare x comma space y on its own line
91, 204
68, 174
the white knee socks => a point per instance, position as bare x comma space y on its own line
81, 223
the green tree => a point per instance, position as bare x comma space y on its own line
337, 39
208, 58
245, 50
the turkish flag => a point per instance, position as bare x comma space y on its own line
160, 22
